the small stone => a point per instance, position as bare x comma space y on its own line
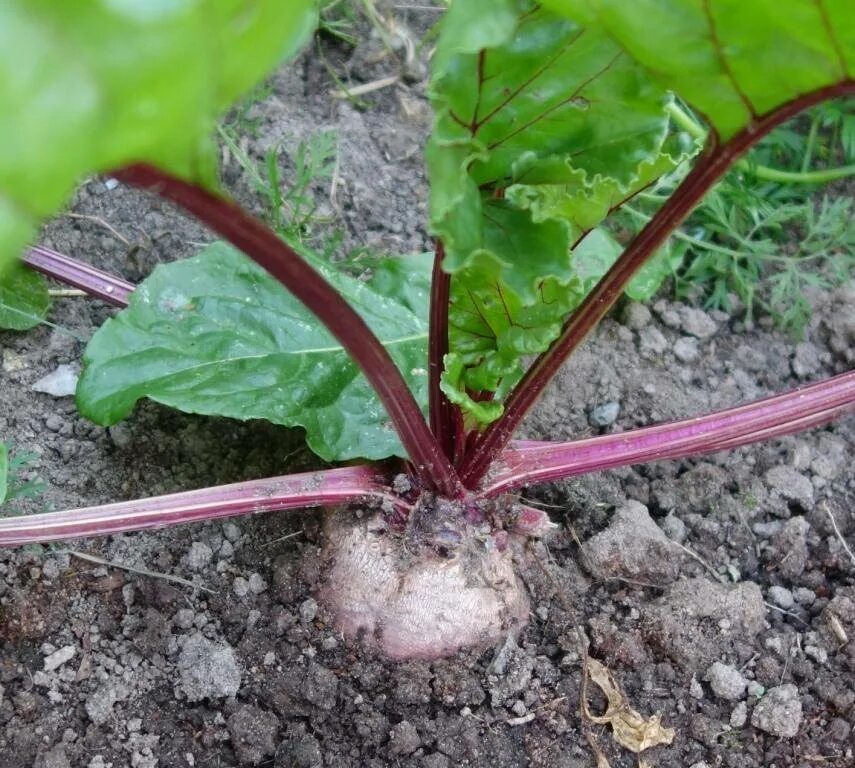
805, 362
686, 349
199, 556
726, 681
60, 657
781, 596
122, 436
804, 596
308, 610
779, 712
99, 705
604, 414
404, 739
53, 758
519, 708
208, 670
739, 716
673, 527
231, 532
791, 485
240, 586
254, 733
697, 323
184, 618
269, 659
227, 549
633, 547
60, 383
54, 422
298, 750
817, 653
257, 584
755, 690
635, 315
320, 687
651, 341
696, 690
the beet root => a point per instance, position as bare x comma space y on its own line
410, 600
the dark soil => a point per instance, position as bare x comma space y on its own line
717, 590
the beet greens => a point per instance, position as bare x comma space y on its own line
548, 118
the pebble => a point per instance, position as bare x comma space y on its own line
632, 547
404, 739
817, 653
651, 340
254, 733
755, 690
781, 596
208, 670
308, 610
726, 681
673, 527
240, 586
792, 485
805, 362
60, 657
257, 584
636, 316
99, 704
231, 532
804, 596
54, 422
60, 383
696, 690
199, 556
184, 618
739, 716
697, 323
686, 349
604, 414
779, 712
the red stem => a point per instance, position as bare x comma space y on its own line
711, 167
260, 243
441, 410
309, 489
93, 281
528, 461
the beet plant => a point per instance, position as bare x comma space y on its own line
548, 117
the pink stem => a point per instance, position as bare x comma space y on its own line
710, 168
266, 248
529, 461
93, 281
309, 489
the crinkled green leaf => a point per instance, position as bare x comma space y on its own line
542, 128
215, 334
24, 298
730, 59
89, 85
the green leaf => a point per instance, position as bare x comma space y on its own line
90, 85
24, 298
731, 60
215, 334
4, 471
542, 128
599, 250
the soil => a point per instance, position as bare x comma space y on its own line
718, 591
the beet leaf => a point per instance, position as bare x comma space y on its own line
88, 86
215, 334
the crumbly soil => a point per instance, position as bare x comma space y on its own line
718, 590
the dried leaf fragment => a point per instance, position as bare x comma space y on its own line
631, 730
